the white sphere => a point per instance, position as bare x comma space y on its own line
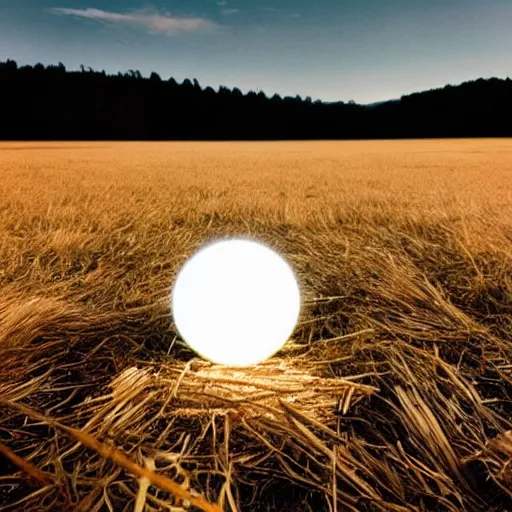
236, 302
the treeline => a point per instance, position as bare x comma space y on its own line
51, 103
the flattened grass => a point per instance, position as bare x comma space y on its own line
394, 393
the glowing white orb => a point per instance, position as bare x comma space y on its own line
236, 302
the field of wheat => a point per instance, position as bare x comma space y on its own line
393, 394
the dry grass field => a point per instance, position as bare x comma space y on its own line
394, 393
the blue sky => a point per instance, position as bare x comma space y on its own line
366, 50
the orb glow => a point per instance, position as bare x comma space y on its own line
236, 302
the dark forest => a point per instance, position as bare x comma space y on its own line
51, 103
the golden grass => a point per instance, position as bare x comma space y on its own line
394, 394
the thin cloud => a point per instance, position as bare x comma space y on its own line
230, 12
154, 23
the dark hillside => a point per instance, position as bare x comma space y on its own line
51, 103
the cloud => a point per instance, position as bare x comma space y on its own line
154, 23
229, 12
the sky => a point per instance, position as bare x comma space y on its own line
333, 50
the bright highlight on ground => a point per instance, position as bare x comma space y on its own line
236, 302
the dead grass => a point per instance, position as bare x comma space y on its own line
394, 394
